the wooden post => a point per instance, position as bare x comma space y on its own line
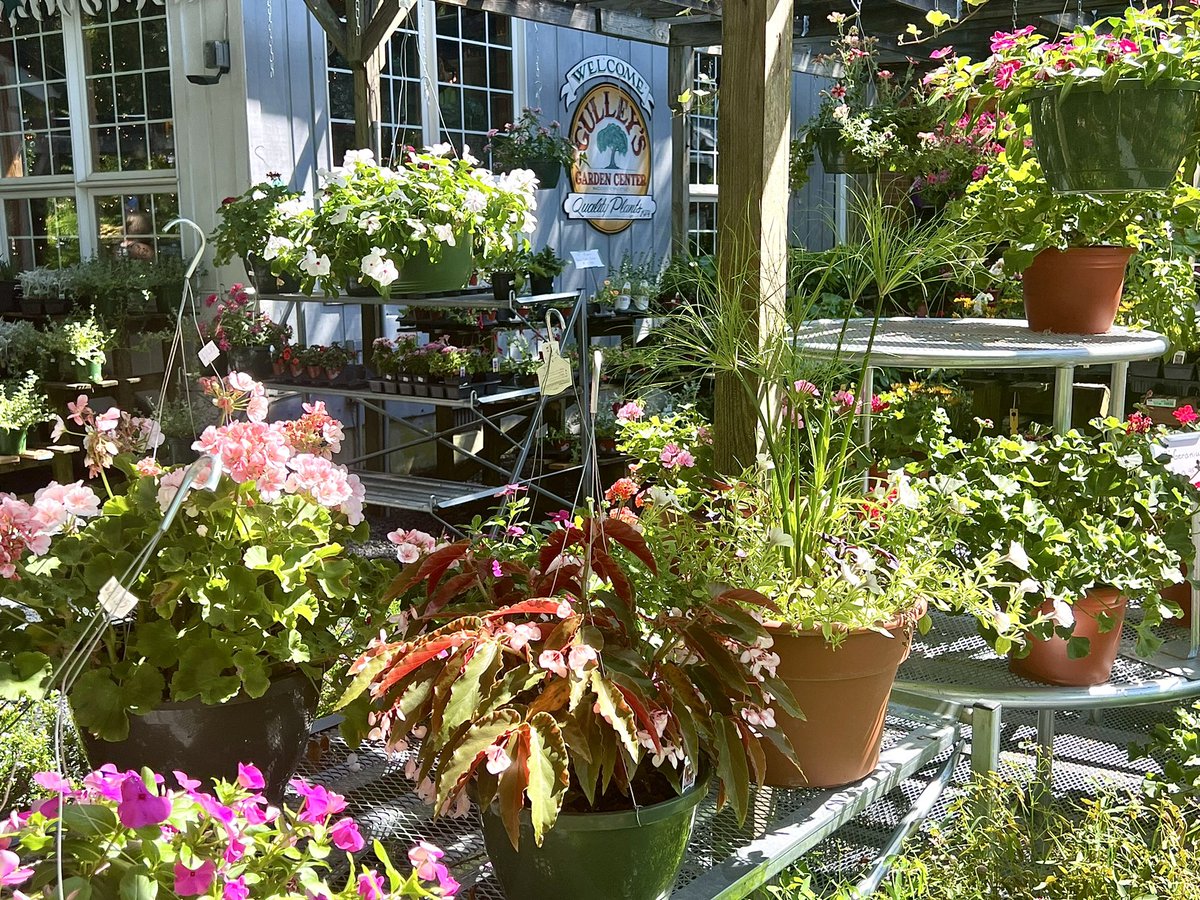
754, 133
681, 64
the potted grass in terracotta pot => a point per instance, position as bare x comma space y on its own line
216, 655
561, 681
1083, 525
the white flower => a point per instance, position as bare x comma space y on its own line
841, 112
289, 209
258, 195
418, 228
366, 157
1001, 621
777, 537
313, 265
444, 233
376, 265
474, 200
370, 222
276, 246
498, 759
340, 215
443, 149
1063, 615
467, 156
1017, 556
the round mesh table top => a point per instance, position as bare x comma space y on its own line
971, 343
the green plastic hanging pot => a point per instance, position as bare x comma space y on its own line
13, 441
630, 855
1132, 138
421, 275
87, 372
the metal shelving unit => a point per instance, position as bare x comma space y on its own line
508, 420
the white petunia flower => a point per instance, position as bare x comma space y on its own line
276, 246
370, 222
313, 265
376, 265
366, 157
444, 233
474, 201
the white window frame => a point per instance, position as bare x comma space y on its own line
702, 193
427, 38
85, 182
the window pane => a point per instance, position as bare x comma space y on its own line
42, 231
401, 105
702, 119
132, 225
702, 227
33, 99
122, 46
475, 77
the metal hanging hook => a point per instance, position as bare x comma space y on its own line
203, 242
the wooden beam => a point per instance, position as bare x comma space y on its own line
328, 19
754, 129
387, 18
681, 74
695, 34
548, 12
632, 27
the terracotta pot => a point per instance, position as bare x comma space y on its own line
1181, 595
843, 694
1075, 291
296, 369
1048, 661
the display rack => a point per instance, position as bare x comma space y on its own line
725, 859
508, 420
950, 663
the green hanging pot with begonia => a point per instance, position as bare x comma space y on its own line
1132, 137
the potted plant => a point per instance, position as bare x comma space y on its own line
9, 272
23, 347
865, 118
258, 226
124, 834
528, 144
519, 365
1083, 524
247, 606
586, 722
335, 359
506, 271
450, 370
22, 406
44, 290
559, 443
1072, 249
1111, 106
181, 419
384, 364
543, 267
81, 344
415, 228
244, 333
605, 298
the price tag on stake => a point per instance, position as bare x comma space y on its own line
208, 353
586, 259
116, 600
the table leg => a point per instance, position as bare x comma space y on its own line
1064, 387
1045, 740
986, 722
1116, 403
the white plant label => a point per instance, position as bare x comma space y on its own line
116, 600
208, 353
554, 374
587, 259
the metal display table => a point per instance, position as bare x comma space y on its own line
724, 859
951, 663
907, 343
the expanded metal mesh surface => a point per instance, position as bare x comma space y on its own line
381, 798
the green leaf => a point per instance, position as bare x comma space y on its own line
138, 884
462, 761
363, 678
25, 676
467, 689
937, 19
202, 669
143, 689
1078, 647
89, 820
548, 776
99, 706
732, 767
158, 642
614, 708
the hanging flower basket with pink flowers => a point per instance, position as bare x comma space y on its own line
230, 625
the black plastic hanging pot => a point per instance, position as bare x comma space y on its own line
836, 157
1132, 138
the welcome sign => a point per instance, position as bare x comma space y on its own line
610, 182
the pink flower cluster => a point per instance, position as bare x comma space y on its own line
631, 411
108, 433
315, 432
28, 528
412, 545
675, 457
237, 392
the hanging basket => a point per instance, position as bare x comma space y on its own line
1132, 138
421, 275
836, 157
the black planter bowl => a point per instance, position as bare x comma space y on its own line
208, 742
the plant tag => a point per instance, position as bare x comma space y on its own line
1179, 358
208, 353
554, 374
116, 601
587, 259
1014, 420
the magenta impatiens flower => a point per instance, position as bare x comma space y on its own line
370, 886
345, 835
235, 889
250, 777
194, 882
53, 782
138, 807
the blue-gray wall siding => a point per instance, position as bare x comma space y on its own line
812, 207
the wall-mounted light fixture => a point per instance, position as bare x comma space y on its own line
216, 56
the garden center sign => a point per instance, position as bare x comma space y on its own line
610, 183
